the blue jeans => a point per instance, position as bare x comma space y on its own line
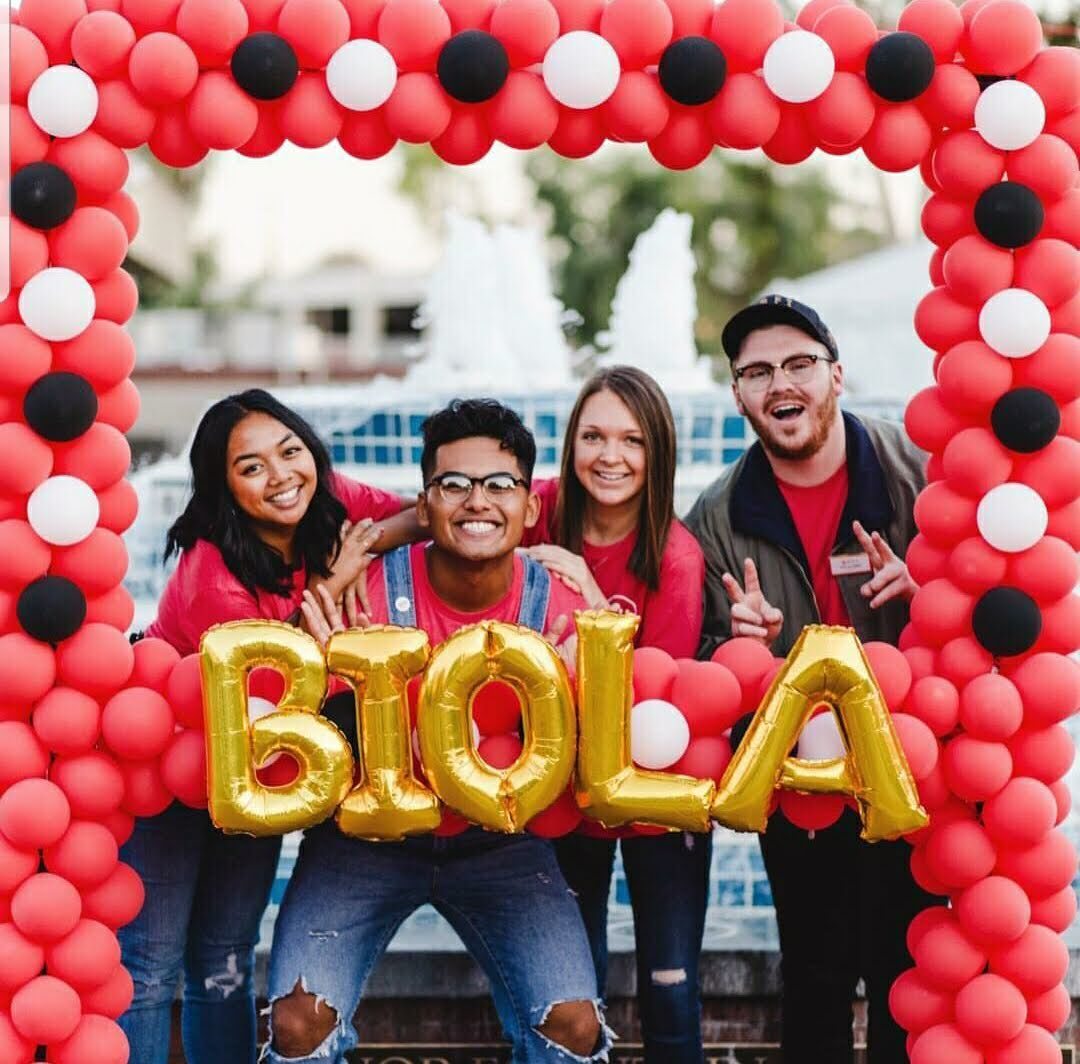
668, 877
503, 894
205, 896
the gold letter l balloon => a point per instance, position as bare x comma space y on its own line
238, 801
825, 665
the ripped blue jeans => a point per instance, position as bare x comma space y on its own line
205, 896
503, 894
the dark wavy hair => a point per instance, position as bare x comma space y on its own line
647, 402
212, 513
465, 418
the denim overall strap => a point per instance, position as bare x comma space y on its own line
534, 595
398, 581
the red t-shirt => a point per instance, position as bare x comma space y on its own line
671, 615
816, 512
441, 620
202, 592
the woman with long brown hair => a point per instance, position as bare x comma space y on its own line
608, 526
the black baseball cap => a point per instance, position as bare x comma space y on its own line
775, 310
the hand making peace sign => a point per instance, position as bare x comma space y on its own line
891, 578
752, 616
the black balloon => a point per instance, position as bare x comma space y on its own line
1025, 419
1006, 621
60, 406
265, 66
692, 70
51, 609
900, 67
42, 195
1008, 214
473, 66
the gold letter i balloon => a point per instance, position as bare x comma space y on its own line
826, 665
235, 747
503, 800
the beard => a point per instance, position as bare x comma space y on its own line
821, 422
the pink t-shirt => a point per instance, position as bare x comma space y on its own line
671, 616
203, 592
441, 620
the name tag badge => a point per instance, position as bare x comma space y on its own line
848, 564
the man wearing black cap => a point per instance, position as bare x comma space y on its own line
811, 526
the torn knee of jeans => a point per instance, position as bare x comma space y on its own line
668, 976
303, 1025
228, 981
603, 1036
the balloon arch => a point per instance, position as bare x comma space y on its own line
968, 94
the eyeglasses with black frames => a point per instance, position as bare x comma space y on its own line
799, 369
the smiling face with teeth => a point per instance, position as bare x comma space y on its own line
271, 475
609, 451
793, 421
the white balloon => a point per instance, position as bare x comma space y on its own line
581, 70
1014, 322
820, 739
1012, 517
57, 304
63, 101
260, 707
63, 510
798, 66
1009, 115
361, 75
659, 734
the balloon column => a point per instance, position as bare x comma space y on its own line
968, 94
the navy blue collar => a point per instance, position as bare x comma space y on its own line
757, 508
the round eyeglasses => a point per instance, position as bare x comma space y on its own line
457, 487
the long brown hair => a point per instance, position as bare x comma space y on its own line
649, 405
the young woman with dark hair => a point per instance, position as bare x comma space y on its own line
267, 518
608, 528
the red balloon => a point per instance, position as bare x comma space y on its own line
27, 60
959, 853
1049, 168
950, 100
24, 358
918, 743
16, 866
705, 758
920, 658
149, 15
85, 957
34, 813
1031, 1046
310, 117
1003, 38
1048, 571
637, 110
97, 659
84, 855
899, 139
1053, 472
173, 142
1043, 869
101, 43
526, 29
523, 115
932, 916
212, 28
745, 114
972, 376
993, 911
13, 1046
28, 143
975, 269
1055, 75
23, 959
975, 566
67, 721
990, 1010
578, 134
811, 13
98, 167
1056, 912
976, 769
936, 703
891, 671
112, 998
938, 22
1050, 269
469, 14
1065, 318
118, 900
23, 556
262, 14
451, 824
119, 407
496, 708
104, 354
1049, 685
1050, 1010
751, 663
915, 1005
91, 242
941, 611
655, 673
990, 707
941, 320
692, 18
947, 958
163, 68
185, 692
154, 662
414, 31
45, 1010
27, 668
115, 608
145, 794
52, 22
137, 723
1045, 753
365, 136
560, 818
793, 140
21, 754
1035, 962
1063, 798
29, 252
418, 110
100, 456
975, 462
315, 28
1055, 368
121, 117
944, 221
95, 1040
466, 140
850, 33
638, 30
744, 29
45, 907
811, 812
221, 115
579, 15
685, 141
119, 504
841, 116
268, 137
183, 768
500, 751
92, 783
708, 695
30, 459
